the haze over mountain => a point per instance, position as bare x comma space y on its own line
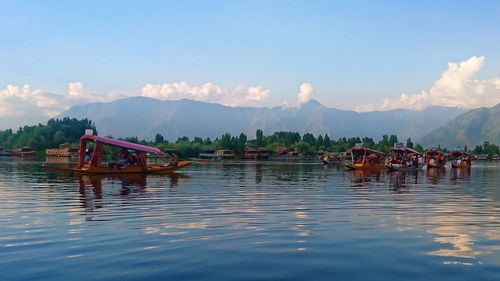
144, 117
470, 128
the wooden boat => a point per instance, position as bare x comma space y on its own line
6, 152
403, 158
91, 163
460, 159
24, 152
364, 158
332, 160
434, 158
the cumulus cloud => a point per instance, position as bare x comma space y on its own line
305, 93
208, 92
18, 101
456, 87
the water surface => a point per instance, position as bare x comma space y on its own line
250, 221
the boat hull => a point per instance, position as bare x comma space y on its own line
398, 167
365, 167
149, 169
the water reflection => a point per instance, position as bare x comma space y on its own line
398, 181
460, 173
360, 177
435, 175
91, 186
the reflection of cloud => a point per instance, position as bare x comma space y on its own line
455, 88
450, 227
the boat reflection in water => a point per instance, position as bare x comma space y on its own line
460, 173
399, 181
360, 177
92, 187
435, 175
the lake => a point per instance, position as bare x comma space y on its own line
250, 221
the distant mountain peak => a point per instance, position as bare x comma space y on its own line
144, 117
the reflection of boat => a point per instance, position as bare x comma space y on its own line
6, 152
403, 158
94, 164
460, 159
434, 158
364, 158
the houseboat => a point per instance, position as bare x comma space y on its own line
256, 153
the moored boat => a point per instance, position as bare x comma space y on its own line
403, 158
460, 159
364, 158
24, 152
434, 158
6, 152
90, 160
332, 159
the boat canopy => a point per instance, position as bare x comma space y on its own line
363, 148
121, 143
401, 147
434, 150
96, 157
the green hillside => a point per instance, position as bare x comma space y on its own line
470, 128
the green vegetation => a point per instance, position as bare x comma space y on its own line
60, 131
306, 144
39, 137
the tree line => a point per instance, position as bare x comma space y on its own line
53, 134
69, 130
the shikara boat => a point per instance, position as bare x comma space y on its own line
460, 159
91, 163
434, 158
364, 158
403, 158
332, 160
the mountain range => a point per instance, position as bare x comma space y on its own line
144, 117
470, 128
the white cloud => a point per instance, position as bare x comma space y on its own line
18, 101
305, 93
456, 87
208, 92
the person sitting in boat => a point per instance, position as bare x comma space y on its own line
132, 160
88, 155
123, 162
174, 160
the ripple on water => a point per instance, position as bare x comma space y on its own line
250, 221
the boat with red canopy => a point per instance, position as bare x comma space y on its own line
434, 158
90, 158
403, 158
364, 158
460, 159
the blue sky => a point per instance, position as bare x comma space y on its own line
347, 53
